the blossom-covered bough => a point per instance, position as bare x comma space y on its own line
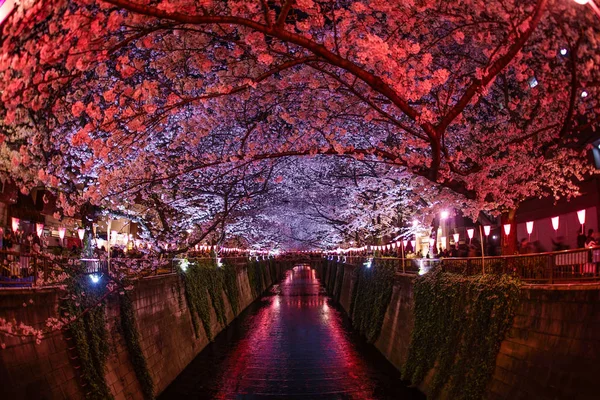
319, 119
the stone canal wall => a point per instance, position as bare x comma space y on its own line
551, 351
167, 338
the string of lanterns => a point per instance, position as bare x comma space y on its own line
456, 236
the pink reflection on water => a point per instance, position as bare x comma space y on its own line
295, 346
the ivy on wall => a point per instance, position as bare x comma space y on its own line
196, 294
339, 280
89, 334
204, 287
232, 289
371, 297
256, 277
132, 342
460, 322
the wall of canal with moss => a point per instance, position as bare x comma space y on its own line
477, 337
135, 342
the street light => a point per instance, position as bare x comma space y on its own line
592, 5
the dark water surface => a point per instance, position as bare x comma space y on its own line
292, 343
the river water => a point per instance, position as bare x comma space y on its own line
293, 343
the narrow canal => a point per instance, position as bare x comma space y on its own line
292, 343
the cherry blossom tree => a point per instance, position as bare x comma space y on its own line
143, 105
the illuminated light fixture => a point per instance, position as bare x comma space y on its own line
582, 2
6, 7
443, 240
584, 94
415, 222
456, 237
529, 225
15, 224
581, 218
431, 241
533, 82
486, 230
81, 233
507, 229
61, 232
394, 245
95, 278
184, 264
369, 263
413, 243
405, 243
39, 229
555, 223
470, 233
444, 214
563, 52
220, 264
389, 246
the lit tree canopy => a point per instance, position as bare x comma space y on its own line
187, 112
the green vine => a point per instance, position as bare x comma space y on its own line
132, 341
89, 334
256, 278
339, 280
232, 289
372, 295
196, 280
204, 287
460, 322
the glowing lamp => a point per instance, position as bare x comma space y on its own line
394, 245
431, 241
15, 224
39, 229
404, 243
582, 2
444, 214
470, 233
95, 278
443, 240
486, 230
413, 243
529, 225
415, 222
507, 229
61, 232
580, 216
555, 223
389, 246
456, 237
81, 233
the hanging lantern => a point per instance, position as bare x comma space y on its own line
470, 233
61, 232
507, 229
580, 216
404, 243
529, 227
389, 246
39, 229
486, 230
456, 237
394, 245
413, 243
81, 233
555, 223
15, 224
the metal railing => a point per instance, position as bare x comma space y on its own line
577, 265
38, 269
